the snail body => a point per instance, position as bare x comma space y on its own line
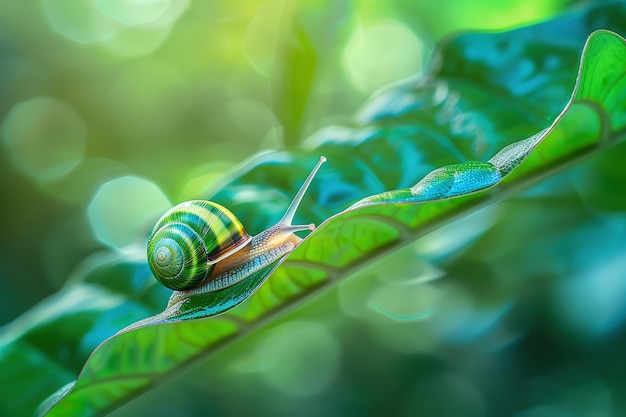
200, 246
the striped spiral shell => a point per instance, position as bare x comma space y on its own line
189, 239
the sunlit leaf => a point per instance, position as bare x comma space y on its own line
371, 226
490, 90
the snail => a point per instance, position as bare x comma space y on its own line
200, 246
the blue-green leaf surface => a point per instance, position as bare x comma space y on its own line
406, 169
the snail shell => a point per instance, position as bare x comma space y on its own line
190, 239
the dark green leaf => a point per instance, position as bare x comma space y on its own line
369, 228
489, 90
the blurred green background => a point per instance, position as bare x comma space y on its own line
101, 100
173, 93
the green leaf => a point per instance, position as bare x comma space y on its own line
366, 229
209, 304
300, 61
489, 90
142, 361
293, 81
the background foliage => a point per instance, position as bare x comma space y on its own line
163, 107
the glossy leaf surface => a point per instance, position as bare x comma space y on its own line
406, 132
375, 223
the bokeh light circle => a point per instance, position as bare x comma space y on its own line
126, 28
143, 25
45, 138
79, 20
381, 53
299, 358
133, 12
403, 302
259, 42
134, 41
122, 211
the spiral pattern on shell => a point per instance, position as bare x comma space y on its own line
186, 242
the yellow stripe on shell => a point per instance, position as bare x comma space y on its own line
221, 222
